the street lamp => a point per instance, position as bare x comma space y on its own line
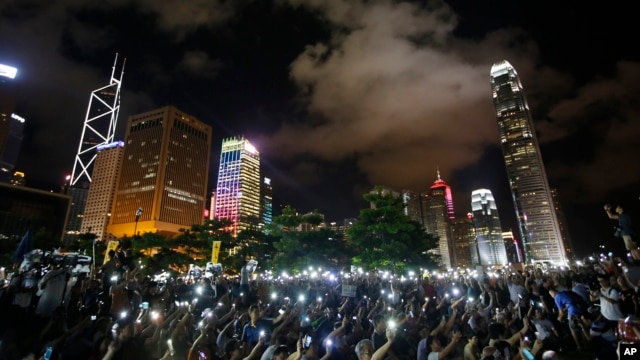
93, 267
138, 214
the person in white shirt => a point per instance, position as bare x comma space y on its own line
609, 300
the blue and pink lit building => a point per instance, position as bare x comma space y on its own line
237, 196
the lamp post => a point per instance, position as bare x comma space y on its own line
93, 267
138, 214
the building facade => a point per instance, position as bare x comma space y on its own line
106, 173
11, 124
163, 181
537, 220
266, 201
463, 238
238, 188
488, 232
438, 207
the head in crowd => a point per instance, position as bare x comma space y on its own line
364, 349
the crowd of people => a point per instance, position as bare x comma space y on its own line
507, 313
63, 310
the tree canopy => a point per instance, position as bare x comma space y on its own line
386, 238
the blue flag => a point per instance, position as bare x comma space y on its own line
26, 245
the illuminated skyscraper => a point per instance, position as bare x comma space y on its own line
105, 175
438, 206
488, 232
98, 129
537, 220
164, 174
238, 190
99, 126
266, 201
11, 124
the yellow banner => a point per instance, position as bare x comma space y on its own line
113, 245
216, 252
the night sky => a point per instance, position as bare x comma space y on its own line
341, 95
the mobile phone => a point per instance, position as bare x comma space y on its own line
145, 305
48, 352
307, 341
354, 318
528, 355
93, 317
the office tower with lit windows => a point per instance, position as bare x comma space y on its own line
266, 201
537, 220
163, 179
438, 207
238, 189
462, 236
11, 124
488, 232
105, 175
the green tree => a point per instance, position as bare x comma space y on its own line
386, 238
297, 250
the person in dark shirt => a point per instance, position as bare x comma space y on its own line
625, 228
255, 328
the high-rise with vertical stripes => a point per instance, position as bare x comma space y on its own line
537, 221
237, 195
164, 173
490, 249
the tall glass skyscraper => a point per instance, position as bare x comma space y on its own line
488, 232
537, 220
238, 191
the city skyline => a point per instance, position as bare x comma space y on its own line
341, 96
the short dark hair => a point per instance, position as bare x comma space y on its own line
281, 349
